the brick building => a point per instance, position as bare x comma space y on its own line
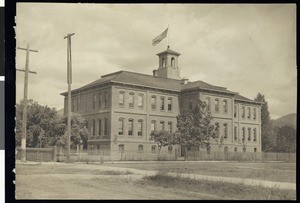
122, 109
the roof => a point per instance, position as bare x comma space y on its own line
169, 51
245, 99
143, 80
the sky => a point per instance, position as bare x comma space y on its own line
245, 48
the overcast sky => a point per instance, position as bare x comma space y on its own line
246, 48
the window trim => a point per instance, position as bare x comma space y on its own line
140, 124
121, 120
130, 120
131, 104
217, 105
162, 103
141, 95
170, 99
225, 106
153, 105
123, 102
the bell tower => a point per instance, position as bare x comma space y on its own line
168, 65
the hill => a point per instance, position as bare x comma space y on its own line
289, 120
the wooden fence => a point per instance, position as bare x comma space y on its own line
38, 154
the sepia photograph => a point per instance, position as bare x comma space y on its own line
155, 101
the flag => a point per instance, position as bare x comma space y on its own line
160, 37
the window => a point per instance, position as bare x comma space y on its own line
130, 127
163, 63
153, 124
235, 133
170, 148
162, 103
208, 150
254, 135
208, 104
162, 125
235, 149
106, 99
225, 130
235, 111
153, 149
225, 106
216, 105
94, 100
249, 113
140, 148
169, 104
100, 100
121, 98
170, 127
249, 134
99, 127
131, 95
93, 128
153, 102
121, 148
121, 126
217, 128
173, 62
243, 134
140, 127
254, 114
140, 100
255, 149
105, 126
243, 112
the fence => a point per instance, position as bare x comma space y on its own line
38, 154
88, 155
195, 155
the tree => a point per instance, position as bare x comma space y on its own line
194, 127
285, 139
79, 131
44, 126
161, 138
267, 134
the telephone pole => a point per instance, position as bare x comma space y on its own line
24, 118
69, 81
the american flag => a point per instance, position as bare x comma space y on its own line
160, 37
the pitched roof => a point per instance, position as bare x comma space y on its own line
138, 79
168, 51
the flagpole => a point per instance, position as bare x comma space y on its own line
168, 35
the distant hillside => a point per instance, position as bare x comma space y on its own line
60, 112
289, 120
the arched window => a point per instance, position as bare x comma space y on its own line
131, 100
140, 100
208, 104
225, 106
243, 112
225, 130
140, 148
153, 102
162, 103
162, 125
235, 111
130, 126
105, 127
121, 98
249, 134
217, 128
235, 133
170, 127
173, 62
163, 63
99, 127
254, 135
249, 113
170, 104
140, 127
254, 114
153, 126
106, 99
121, 148
93, 127
121, 126
94, 100
153, 149
243, 135
216, 105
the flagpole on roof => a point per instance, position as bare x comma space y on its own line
168, 36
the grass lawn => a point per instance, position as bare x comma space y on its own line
272, 171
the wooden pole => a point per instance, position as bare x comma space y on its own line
69, 81
24, 116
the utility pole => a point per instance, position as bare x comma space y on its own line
24, 118
69, 81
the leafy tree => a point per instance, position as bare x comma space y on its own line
161, 138
43, 125
285, 139
267, 135
79, 131
194, 127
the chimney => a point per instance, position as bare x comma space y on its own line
184, 81
155, 73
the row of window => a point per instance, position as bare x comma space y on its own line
164, 62
235, 134
244, 112
141, 101
216, 105
99, 127
141, 148
226, 150
140, 126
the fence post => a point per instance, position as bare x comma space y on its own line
54, 153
